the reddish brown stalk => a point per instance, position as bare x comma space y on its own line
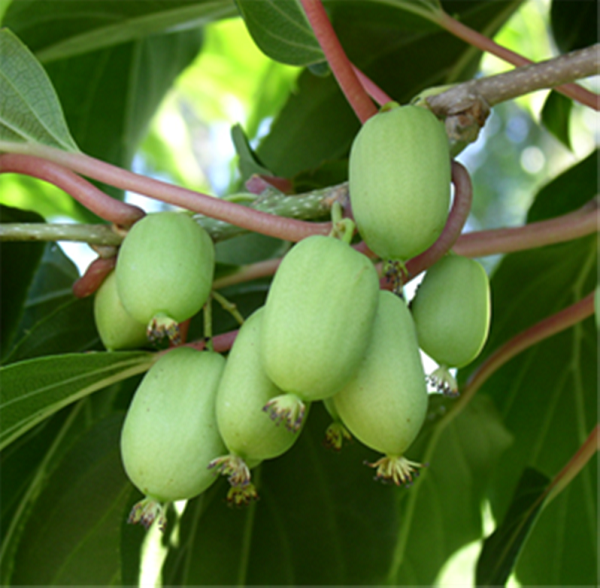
341, 67
87, 194
463, 197
93, 276
372, 88
484, 43
556, 230
549, 326
587, 450
221, 343
241, 216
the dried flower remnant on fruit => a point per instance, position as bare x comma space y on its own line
398, 470
444, 382
233, 467
163, 326
287, 409
147, 511
335, 435
242, 495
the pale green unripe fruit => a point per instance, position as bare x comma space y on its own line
117, 329
318, 317
385, 403
165, 268
451, 310
244, 390
170, 433
399, 179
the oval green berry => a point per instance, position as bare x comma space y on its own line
170, 432
399, 180
117, 329
165, 270
385, 403
318, 317
451, 310
245, 427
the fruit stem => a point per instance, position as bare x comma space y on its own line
87, 194
228, 306
341, 67
208, 330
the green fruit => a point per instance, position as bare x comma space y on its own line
317, 322
117, 329
165, 270
245, 427
170, 433
451, 310
385, 403
399, 179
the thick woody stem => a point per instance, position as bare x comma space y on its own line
485, 44
91, 234
87, 194
522, 80
341, 67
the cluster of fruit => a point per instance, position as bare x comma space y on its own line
326, 331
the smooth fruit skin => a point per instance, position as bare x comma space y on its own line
245, 388
399, 180
117, 329
451, 310
318, 317
385, 403
165, 266
170, 432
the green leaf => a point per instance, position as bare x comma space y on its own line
65, 28
19, 264
33, 390
249, 163
30, 111
574, 24
51, 288
68, 329
568, 191
73, 532
556, 116
280, 28
502, 547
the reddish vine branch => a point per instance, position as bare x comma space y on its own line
241, 216
341, 67
92, 198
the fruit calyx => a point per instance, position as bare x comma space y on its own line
443, 382
161, 326
234, 467
396, 469
335, 435
286, 408
147, 511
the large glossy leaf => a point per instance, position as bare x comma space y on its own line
29, 108
73, 533
574, 24
280, 28
323, 520
556, 117
35, 389
317, 125
19, 264
64, 28
547, 394
502, 547
50, 288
